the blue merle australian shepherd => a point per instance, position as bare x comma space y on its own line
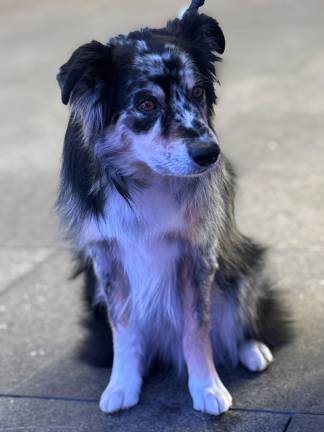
146, 197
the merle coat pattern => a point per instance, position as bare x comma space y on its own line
146, 198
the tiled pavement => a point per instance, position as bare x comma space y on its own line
270, 121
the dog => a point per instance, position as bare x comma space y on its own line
147, 200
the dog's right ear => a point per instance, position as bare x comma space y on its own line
83, 59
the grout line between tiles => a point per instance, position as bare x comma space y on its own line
287, 424
235, 409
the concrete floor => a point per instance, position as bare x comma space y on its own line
270, 121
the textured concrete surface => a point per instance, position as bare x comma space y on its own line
270, 121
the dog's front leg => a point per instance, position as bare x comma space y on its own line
123, 389
207, 391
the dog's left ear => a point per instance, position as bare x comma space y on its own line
86, 82
203, 31
80, 63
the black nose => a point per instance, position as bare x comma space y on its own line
204, 153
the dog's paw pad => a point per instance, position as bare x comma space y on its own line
255, 356
211, 400
117, 398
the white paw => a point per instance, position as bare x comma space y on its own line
213, 399
255, 356
118, 397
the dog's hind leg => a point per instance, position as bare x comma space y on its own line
254, 355
250, 315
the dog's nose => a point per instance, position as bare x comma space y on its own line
204, 153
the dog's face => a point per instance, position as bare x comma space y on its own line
164, 121
146, 100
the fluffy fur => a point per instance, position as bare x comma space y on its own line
147, 200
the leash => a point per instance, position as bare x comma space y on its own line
195, 5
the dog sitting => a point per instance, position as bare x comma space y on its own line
146, 197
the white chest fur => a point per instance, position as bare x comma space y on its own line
148, 257
153, 213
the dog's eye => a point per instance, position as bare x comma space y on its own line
147, 105
197, 92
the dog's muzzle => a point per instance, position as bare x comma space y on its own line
204, 153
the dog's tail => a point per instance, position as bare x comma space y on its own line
274, 322
96, 347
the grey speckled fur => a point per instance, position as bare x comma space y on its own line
147, 200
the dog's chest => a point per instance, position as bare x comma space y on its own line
152, 213
147, 248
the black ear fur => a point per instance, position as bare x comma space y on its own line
83, 58
201, 30
211, 32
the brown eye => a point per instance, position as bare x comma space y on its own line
148, 105
197, 92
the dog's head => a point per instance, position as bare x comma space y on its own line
145, 101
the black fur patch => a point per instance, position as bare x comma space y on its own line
97, 346
79, 173
99, 81
188, 132
144, 124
